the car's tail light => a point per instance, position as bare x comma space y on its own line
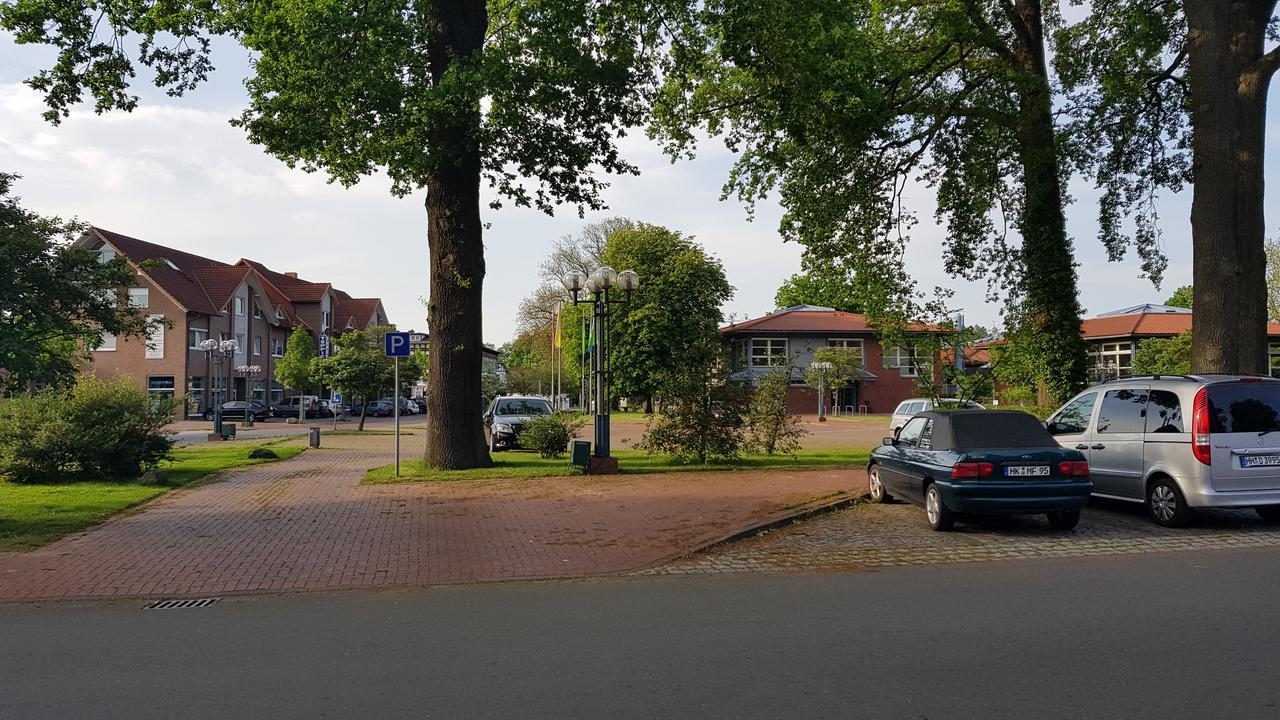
1076, 468
971, 469
1200, 427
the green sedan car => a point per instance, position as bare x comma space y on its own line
981, 462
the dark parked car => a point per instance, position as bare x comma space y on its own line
505, 418
980, 462
237, 409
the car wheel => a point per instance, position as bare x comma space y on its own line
1166, 504
940, 516
208, 415
1064, 519
878, 493
1268, 513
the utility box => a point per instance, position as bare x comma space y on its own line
228, 431
580, 453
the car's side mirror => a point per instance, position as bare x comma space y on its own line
888, 441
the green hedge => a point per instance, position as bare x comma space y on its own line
98, 430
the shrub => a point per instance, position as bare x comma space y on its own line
704, 415
550, 434
97, 430
774, 429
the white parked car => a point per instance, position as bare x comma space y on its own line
909, 408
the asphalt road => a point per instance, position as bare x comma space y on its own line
1180, 635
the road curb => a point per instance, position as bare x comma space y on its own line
828, 505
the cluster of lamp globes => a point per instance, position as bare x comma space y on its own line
604, 278
226, 346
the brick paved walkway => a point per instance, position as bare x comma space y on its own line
868, 536
307, 524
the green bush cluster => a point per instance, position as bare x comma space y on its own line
550, 434
97, 430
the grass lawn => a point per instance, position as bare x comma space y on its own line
513, 465
32, 515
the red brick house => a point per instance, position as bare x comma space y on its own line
790, 337
205, 299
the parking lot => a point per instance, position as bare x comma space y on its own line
869, 536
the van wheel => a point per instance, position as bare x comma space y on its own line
1064, 519
1268, 513
940, 516
1166, 504
878, 493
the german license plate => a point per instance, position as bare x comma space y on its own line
1026, 470
1259, 460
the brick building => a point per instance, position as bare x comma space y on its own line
203, 299
790, 337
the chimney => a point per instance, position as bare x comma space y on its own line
291, 274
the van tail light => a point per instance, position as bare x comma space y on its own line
1200, 427
1075, 468
971, 470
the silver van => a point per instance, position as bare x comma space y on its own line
1179, 442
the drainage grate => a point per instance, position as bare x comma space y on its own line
180, 604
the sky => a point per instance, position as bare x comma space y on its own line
175, 172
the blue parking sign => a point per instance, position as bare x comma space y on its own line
397, 344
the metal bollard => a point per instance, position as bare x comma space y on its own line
315, 436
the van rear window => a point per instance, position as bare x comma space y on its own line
1241, 407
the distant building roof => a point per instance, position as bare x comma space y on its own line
1147, 308
1161, 321
809, 319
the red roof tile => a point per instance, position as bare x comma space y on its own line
295, 289
221, 282
178, 280
810, 321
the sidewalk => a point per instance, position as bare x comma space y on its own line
307, 524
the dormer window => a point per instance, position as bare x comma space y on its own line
279, 314
169, 262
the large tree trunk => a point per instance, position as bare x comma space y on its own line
455, 436
1229, 76
1049, 290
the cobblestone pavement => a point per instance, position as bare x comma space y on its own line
308, 524
868, 536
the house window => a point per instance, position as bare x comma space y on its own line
195, 393
155, 338
239, 307
904, 359
854, 344
108, 342
277, 392
160, 385
768, 352
740, 348
1113, 360
139, 297
259, 390
195, 336
279, 314
1273, 358
241, 346
257, 311
324, 320
257, 344
106, 255
277, 347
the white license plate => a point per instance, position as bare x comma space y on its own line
1259, 460
1026, 470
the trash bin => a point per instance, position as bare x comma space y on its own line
581, 453
314, 439
229, 431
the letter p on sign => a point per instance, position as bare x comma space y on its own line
397, 344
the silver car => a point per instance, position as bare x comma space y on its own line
908, 409
1179, 442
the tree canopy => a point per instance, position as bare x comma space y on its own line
57, 300
1183, 297
822, 283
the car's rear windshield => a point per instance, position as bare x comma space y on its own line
1239, 407
998, 430
523, 407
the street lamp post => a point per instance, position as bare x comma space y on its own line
248, 372
821, 368
216, 353
597, 286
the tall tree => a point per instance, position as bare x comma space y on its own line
294, 370
359, 369
527, 95
838, 104
823, 283
56, 301
676, 307
1183, 297
1176, 90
